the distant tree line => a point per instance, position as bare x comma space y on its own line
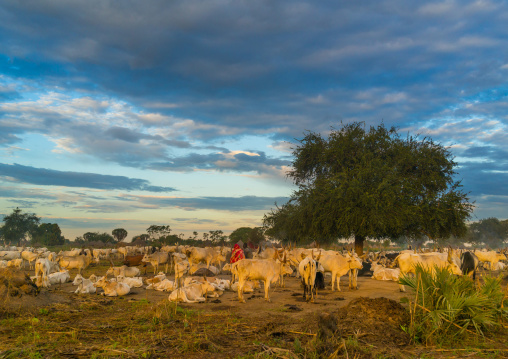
25, 228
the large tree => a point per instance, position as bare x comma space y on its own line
370, 183
19, 226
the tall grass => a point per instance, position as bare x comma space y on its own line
446, 306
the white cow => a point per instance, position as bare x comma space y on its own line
15, 263
382, 273
193, 293
156, 259
492, 257
267, 270
112, 289
133, 282
59, 277
339, 265
85, 286
407, 263
42, 270
165, 285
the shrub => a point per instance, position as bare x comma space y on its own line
446, 306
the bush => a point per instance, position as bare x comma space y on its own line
446, 306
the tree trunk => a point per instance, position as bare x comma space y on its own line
359, 244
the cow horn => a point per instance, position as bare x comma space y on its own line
450, 257
312, 252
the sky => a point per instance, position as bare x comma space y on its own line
124, 114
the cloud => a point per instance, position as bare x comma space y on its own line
231, 204
47, 177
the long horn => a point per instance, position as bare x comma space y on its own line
312, 254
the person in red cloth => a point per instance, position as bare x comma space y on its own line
236, 254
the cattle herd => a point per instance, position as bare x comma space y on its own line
195, 269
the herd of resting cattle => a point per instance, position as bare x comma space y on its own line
194, 268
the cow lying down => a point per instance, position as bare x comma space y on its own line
193, 293
112, 289
248, 287
85, 286
382, 273
155, 279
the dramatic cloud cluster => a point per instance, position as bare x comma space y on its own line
207, 97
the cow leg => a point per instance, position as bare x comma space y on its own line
241, 283
267, 288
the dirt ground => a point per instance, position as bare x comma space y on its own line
363, 323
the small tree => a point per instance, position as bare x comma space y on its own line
18, 226
49, 234
156, 231
240, 234
487, 231
120, 234
217, 236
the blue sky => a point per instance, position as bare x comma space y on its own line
127, 114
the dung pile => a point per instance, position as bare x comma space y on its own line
14, 282
377, 320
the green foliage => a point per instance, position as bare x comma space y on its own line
247, 234
156, 231
370, 183
17, 226
48, 234
98, 237
119, 234
240, 234
489, 231
217, 236
446, 306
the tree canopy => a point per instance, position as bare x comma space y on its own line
18, 226
49, 234
370, 183
120, 234
247, 234
488, 231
